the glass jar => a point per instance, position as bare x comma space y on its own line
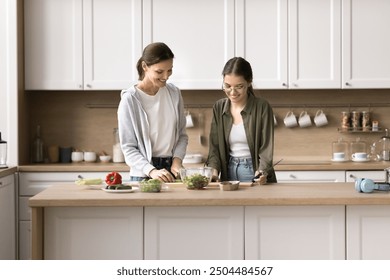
117, 154
358, 146
340, 150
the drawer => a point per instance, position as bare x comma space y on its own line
310, 176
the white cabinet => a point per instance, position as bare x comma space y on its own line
375, 175
200, 233
200, 34
81, 44
310, 176
368, 231
292, 44
295, 232
7, 218
366, 56
30, 184
93, 233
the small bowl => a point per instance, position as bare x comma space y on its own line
105, 158
196, 178
89, 156
229, 185
77, 156
152, 185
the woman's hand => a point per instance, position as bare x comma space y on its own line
215, 176
162, 175
176, 166
262, 180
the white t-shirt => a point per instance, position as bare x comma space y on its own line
162, 121
238, 143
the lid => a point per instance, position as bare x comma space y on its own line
386, 136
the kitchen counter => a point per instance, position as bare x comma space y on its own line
7, 171
62, 207
287, 165
177, 195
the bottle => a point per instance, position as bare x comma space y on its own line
37, 147
117, 155
3, 153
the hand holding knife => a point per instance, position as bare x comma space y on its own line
260, 174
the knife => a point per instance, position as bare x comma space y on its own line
258, 175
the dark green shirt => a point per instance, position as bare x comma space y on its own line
258, 120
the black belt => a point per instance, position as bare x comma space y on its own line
161, 160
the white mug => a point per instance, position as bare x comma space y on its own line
290, 120
320, 118
77, 156
189, 121
339, 156
304, 119
359, 156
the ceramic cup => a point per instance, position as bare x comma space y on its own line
65, 154
320, 118
290, 120
89, 156
359, 156
189, 120
53, 153
304, 119
339, 156
77, 156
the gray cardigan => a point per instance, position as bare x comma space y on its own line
133, 129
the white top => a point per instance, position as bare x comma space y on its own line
238, 143
162, 121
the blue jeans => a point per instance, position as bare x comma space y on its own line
240, 169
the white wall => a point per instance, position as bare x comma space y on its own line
8, 77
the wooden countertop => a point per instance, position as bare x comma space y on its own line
283, 166
7, 171
71, 195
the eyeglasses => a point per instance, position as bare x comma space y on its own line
229, 89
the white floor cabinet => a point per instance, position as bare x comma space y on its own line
7, 218
295, 232
194, 233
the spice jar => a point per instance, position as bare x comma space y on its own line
366, 125
345, 120
356, 120
117, 154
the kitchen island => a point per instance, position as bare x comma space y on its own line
274, 221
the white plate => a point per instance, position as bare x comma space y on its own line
360, 160
120, 191
339, 160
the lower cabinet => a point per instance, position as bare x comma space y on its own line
368, 231
295, 232
202, 233
93, 233
7, 218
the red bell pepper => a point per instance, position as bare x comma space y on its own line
113, 178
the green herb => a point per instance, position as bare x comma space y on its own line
118, 187
152, 185
196, 181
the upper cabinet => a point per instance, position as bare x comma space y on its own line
291, 44
366, 55
81, 44
200, 34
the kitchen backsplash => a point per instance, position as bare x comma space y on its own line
85, 120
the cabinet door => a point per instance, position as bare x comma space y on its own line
112, 43
314, 44
262, 40
53, 44
200, 34
92, 233
368, 230
310, 176
295, 232
366, 56
7, 218
201, 233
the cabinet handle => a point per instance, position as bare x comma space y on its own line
284, 84
347, 84
80, 86
294, 84
352, 176
292, 176
89, 86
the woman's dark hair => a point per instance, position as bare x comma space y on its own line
240, 67
152, 54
